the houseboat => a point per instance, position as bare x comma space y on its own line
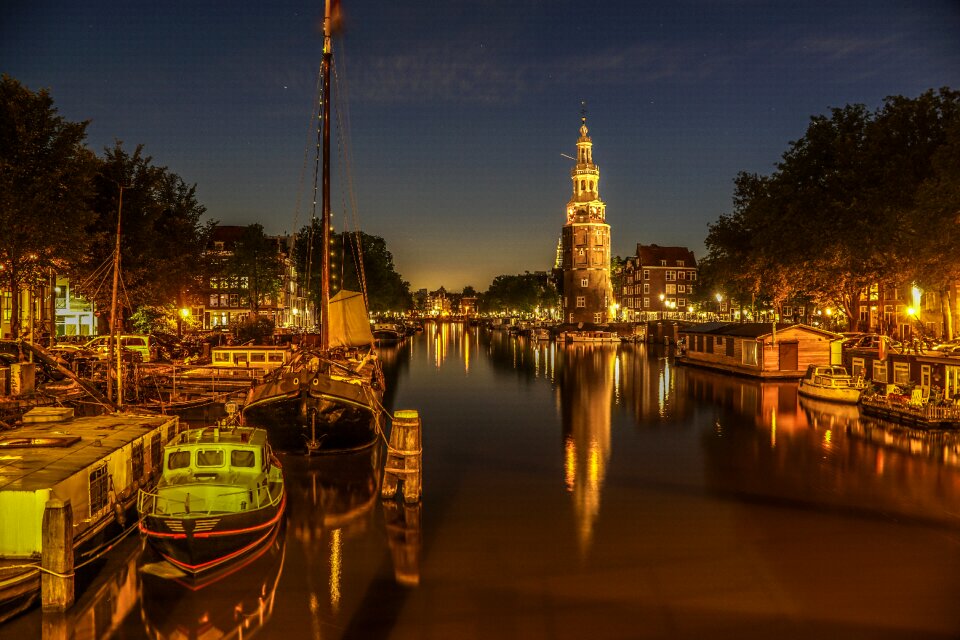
759, 349
591, 337
388, 333
831, 383
221, 497
95, 464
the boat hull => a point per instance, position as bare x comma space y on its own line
328, 412
197, 544
846, 395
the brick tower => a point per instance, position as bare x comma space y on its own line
587, 292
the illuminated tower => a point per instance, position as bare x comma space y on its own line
587, 293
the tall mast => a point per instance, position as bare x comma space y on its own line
113, 312
325, 194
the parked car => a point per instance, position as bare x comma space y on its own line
138, 344
872, 341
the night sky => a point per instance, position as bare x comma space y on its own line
458, 113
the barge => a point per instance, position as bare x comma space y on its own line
92, 466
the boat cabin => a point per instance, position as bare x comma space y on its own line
759, 349
257, 356
221, 458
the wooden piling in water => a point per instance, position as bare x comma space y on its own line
403, 464
56, 556
404, 538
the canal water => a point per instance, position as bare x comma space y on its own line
583, 492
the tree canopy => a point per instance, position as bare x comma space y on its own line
46, 181
855, 202
161, 236
523, 293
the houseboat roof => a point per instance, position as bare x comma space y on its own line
40, 456
752, 329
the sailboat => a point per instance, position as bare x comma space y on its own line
327, 397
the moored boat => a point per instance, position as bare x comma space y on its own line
831, 382
221, 497
388, 333
91, 466
328, 396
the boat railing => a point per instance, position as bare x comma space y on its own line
903, 404
153, 504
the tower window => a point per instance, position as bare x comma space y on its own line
584, 282
581, 302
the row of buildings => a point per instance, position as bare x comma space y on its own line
217, 302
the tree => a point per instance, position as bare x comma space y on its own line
46, 180
937, 228
161, 236
386, 290
257, 265
839, 215
523, 293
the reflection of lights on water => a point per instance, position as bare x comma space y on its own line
827, 439
718, 429
773, 428
466, 356
880, 462
335, 550
569, 463
536, 361
593, 465
616, 379
663, 390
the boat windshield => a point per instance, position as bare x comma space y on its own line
178, 460
209, 457
242, 458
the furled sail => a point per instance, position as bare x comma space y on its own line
349, 323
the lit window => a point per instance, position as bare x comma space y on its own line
581, 301
584, 282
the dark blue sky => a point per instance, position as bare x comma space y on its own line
458, 111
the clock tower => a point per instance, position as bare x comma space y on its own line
587, 291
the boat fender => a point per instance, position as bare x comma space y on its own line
296, 382
117, 506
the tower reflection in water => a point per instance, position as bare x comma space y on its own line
586, 384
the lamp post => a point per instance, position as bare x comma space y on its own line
719, 305
662, 304
184, 314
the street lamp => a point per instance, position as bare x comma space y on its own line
184, 314
719, 306
662, 297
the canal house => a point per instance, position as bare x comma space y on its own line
758, 349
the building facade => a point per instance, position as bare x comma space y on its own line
222, 299
585, 243
658, 282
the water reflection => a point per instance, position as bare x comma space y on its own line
99, 610
331, 503
237, 602
586, 384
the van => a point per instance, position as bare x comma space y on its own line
142, 345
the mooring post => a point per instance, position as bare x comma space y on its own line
56, 556
403, 457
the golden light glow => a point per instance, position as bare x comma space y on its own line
335, 558
185, 313
569, 463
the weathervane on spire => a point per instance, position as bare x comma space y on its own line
583, 111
